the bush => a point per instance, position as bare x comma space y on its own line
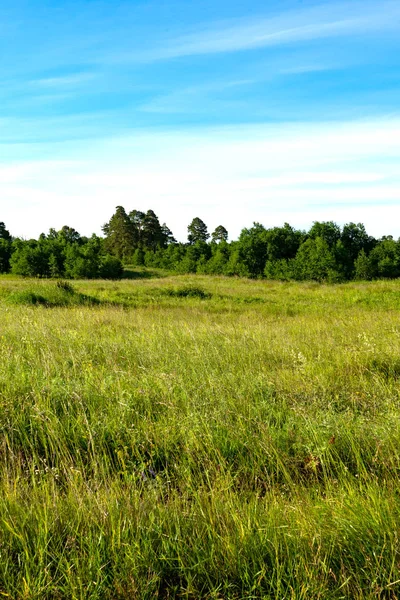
110, 267
188, 292
66, 287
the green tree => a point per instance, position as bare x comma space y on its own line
196, 254
220, 234
152, 233
252, 250
316, 261
110, 267
56, 266
282, 242
68, 235
354, 239
172, 256
282, 269
138, 257
168, 236
219, 259
4, 233
120, 234
30, 258
5, 249
327, 230
197, 231
363, 268
137, 218
385, 258
235, 264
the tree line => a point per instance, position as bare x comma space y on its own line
326, 252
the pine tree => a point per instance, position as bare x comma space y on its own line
4, 233
220, 234
168, 236
137, 218
5, 249
152, 231
120, 234
197, 231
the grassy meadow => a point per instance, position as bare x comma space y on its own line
199, 437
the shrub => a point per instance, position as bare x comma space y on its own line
110, 267
188, 292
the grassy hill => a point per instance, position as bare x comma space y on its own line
199, 437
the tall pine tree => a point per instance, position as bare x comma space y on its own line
120, 234
197, 231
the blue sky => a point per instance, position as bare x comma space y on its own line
232, 111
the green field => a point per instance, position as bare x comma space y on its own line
199, 437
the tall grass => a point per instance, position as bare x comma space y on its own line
242, 441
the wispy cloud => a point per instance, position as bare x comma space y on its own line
64, 81
323, 21
234, 175
300, 69
196, 98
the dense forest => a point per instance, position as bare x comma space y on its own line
327, 252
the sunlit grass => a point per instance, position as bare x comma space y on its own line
238, 441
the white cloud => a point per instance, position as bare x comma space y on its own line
229, 175
193, 99
317, 22
72, 80
299, 70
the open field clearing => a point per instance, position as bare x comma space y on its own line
199, 437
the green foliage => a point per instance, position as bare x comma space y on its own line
252, 249
385, 259
66, 287
220, 234
167, 236
4, 233
120, 234
315, 261
131, 237
281, 269
5, 249
5, 255
30, 259
110, 267
64, 254
138, 257
354, 239
197, 231
153, 236
83, 262
216, 265
363, 268
187, 291
235, 264
325, 253
282, 242
326, 230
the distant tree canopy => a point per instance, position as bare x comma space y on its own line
327, 252
136, 231
63, 253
